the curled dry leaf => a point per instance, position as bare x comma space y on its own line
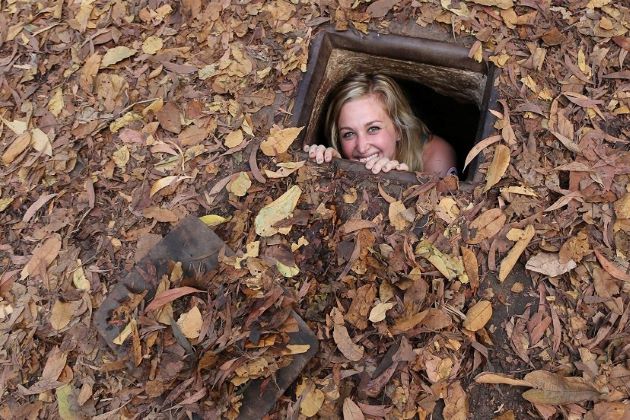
498, 166
479, 147
471, 266
165, 182
212, 219
170, 295
286, 169
612, 268
19, 144
486, 225
351, 351
478, 316
399, 216
190, 323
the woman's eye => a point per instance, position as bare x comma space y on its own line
347, 135
373, 129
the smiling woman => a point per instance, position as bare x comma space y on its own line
369, 120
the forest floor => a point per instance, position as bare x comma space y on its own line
505, 299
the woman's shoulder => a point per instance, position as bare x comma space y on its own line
436, 145
438, 156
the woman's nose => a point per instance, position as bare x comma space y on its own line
362, 143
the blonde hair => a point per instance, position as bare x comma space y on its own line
412, 131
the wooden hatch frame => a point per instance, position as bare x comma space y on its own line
444, 67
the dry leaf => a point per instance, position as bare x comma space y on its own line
19, 144
152, 45
121, 157
280, 209
61, 314
351, 411
279, 140
78, 278
233, 139
116, 54
512, 257
499, 378
165, 182
213, 219
170, 118
168, 296
478, 316
42, 257
486, 225
471, 266
399, 216
451, 266
190, 323
56, 103
555, 389
502, 4
286, 169
239, 184
456, 403
498, 166
41, 142
575, 248
360, 307
611, 268
378, 312
312, 398
549, 264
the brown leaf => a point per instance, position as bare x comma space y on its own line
486, 225
611, 268
479, 147
499, 378
19, 144
456, 403
192, 135
549, 264
555, 389
62, 313
498, 166
42, 257
471, 266
622, 41
405, 324
169, 118
38, 204
380, 8
344, 343
160, 214
478, 316
55, 363
168, 296
351, 411
575, 248
359, 310
88, 72
436, 319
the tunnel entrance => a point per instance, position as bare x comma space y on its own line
447, 90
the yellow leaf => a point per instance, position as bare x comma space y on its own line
286, 270
476, 52
286, 169
207, 71
499, 165
121, 157
478, 316
399, 216
312, 398
20, 144
152, 44
17, 126
190, 323
486, 225
126, 332
56, 103
5, 202
584, 68
279, 140
450, 266
351, 196
499, 60
212, 219
154, 107
276, 211
296, 349
123, 121
239, 184
165, 182
41, 142
233, 139
294, 246
530, 83
78, 278
116, 54
517, 189
378, 312
508, 262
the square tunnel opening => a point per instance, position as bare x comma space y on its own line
446, 89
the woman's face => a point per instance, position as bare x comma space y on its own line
365, 129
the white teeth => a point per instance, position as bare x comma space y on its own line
365, 159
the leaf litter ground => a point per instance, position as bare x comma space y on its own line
120, 119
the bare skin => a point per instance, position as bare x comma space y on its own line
437, 159
367, 134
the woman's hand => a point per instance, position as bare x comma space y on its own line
377, 165
320, 153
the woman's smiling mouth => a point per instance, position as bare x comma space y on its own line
365, 159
